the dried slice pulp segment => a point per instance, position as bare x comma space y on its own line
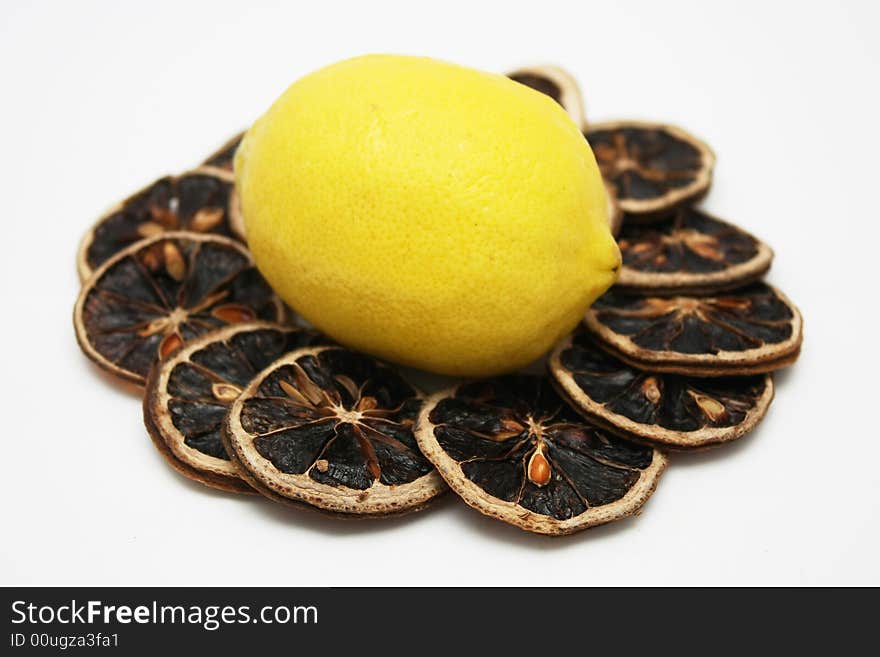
653, 167
690, 253
513, 449
147, 300
188, 394
332, 428
557, 83
751, 330
664, 409
200, 201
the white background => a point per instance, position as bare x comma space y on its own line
98, 99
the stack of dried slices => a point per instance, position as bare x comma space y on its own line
678, 355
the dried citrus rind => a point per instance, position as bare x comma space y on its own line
689, 253
667, 410
142, 304
188, 394
224, 157
752, 330
199, 201
557, 83
653, 167
513, 449
333, 429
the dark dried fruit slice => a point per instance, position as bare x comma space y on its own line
653, 167
199, 201
751, 330
223, 158
557, 83
332, 428
668, 410
147, 300
188, 394
690, 253
514, 450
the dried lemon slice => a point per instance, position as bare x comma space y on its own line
751, 330
690, 253
200, 201
653, 167
332, 428
513, 449
187, 395
148, 299
668, 410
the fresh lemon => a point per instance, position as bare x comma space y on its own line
429, 214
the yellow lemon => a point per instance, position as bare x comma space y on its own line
426, 213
